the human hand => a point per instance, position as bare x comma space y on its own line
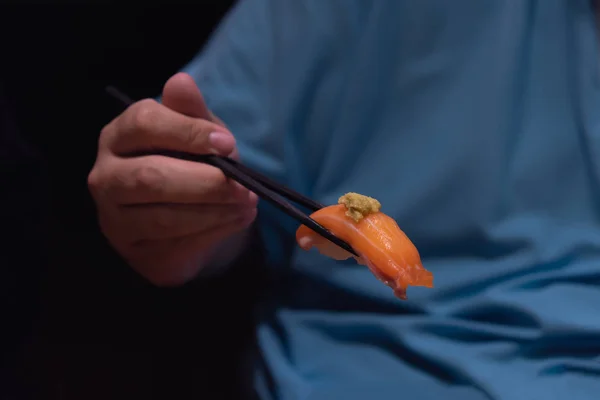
166, 216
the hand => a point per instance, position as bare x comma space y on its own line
163, 215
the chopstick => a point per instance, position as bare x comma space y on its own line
264, 187
226, 164
276, 194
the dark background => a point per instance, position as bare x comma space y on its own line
81, 324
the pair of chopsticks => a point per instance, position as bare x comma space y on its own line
265, 188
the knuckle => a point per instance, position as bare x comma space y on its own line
144, 114
107, 183
147, 178
98, 181
105, 134
195, 135
94, 181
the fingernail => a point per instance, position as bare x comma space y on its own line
221, 142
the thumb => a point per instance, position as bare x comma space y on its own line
181, 94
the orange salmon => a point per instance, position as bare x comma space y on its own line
377, 238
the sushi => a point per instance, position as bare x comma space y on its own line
380, 243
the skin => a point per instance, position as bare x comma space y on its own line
167, 217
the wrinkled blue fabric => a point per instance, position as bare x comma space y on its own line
477, 125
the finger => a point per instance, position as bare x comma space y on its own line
159, 179
181, 94
159, 222
149, 126
157, 255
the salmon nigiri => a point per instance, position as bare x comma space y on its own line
376, 237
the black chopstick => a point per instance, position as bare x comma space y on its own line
276, 194
277, 187
280, 189
263, 186
277, 199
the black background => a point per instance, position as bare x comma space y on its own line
84, 325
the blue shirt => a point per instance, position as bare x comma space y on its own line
477, 125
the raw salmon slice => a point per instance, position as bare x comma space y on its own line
376, 237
